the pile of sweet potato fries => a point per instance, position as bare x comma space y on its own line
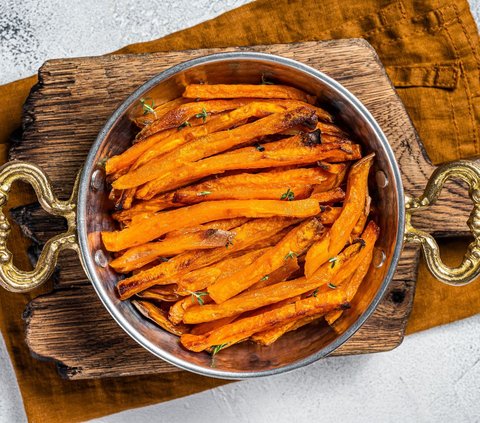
243, 214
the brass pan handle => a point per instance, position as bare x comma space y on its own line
12, 278
469, 269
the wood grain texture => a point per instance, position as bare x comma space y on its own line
62, 118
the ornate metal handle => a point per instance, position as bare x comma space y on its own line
470, 267
12, 278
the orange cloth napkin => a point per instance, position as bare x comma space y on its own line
430, 51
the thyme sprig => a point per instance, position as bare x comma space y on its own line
332, 261
198, 296
289, 195
202, 193
203, 114
147, 108
291, 255
265, 81
331, 285
184, 124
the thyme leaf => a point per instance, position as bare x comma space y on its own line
291, 255
331, 285
265, 81
198, 296
184, 124
289, 195
202, 115
147, 108
202, 193
332, 260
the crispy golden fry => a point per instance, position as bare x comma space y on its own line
293, 245
351, 285
333, 196
157, 315
163, 142
362, 220
199, 279
268, 337
197, 214
223, 225
244, 183
215, 143
344, 265
205, 91
136, 257
243, 328
206, 327
283, 153
177, 311
160, 293
338, 235
148, 116
248, 235
181, 114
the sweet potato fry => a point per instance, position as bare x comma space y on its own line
157, 315
223, 225
199, 279
177, 311
262, 183
333, 196
163, 142
146, 116
160, 293
205, 91
268, 337
344, 265
351, 285
201, 213
247, 235
177, 116
296, 152
338, 235
136, 257
243, 328
206, 327
215, 143
294, 244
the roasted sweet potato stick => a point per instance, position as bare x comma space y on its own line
345, 264
136, 257
295, 152
160, 293
351, 285
205, 91
223, 225
215, 143
333, 196
182, 113
246, 236
293, 245
243, 328
338, 235
163, 142
157, 315
147, 115
199, 279
205, 212
242, 183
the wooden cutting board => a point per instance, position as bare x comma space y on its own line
62, 117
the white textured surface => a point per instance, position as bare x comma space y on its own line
434, 376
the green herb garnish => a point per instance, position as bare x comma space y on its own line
259, 147
332, 261
198, 296
202, 193
315, 293
289, 195
265, 278
291, 255
184, 124
331, 285
217, 348
147, 108
229, 242
202, 115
